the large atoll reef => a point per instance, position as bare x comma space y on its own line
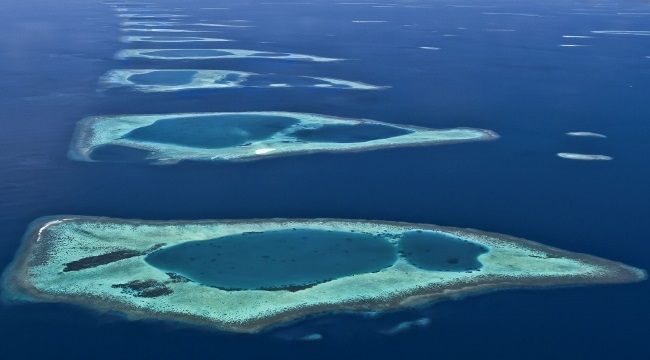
247, 275
152, 80
168, 139
197, 54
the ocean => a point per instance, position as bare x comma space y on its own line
495, 64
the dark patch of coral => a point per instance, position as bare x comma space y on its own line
103, 259
175, 278
144, 288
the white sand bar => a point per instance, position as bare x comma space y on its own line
586, 134
623, 32
574, 156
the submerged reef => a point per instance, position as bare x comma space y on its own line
247, 275
154, 80
170, 138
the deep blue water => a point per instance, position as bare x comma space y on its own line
519, 83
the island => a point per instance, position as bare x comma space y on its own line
244, 136
586, 134
198, 54
250, 275
155, 80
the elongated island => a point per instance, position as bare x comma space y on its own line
243, 136
248, 275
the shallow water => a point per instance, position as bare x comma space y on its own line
279, 259
439, 252
213, 132
349, 133
163, 78
186, 53
270, 79
229, 78
270, 54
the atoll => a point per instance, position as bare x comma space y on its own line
184, 270
153, 80
170, 138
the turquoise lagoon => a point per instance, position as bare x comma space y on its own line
280, 259
293, 259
